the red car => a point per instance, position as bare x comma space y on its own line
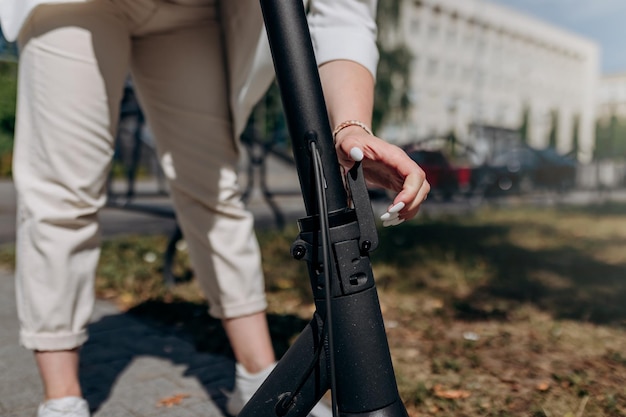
445, 180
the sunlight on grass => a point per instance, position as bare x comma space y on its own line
503, 312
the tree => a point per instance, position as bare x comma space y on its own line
554, 129
523, 129
575, 137
8, 92
452, 141
611, 139
394, 67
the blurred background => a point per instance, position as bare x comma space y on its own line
490, 97
505, 296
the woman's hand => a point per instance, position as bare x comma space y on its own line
384, 166
349, 93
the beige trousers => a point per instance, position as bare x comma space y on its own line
73, 63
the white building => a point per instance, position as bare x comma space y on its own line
480, 63
612, 96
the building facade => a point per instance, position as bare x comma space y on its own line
612, 96
476, 63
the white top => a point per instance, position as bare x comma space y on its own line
13, 14
352, 21
340, 29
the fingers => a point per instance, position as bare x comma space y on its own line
400, 211
350, 149
408, 202
356, 154
388, 166
391, 217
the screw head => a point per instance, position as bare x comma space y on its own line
298, 251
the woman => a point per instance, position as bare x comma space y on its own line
199, 66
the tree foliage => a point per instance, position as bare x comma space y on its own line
392, 85
611, 139
8, 92
394, 68
523, 129
576, 136
554, 129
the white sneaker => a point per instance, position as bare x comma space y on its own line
64, 407
246, 385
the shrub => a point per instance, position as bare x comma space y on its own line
8, 92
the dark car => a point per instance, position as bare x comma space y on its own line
445, 179
523, 169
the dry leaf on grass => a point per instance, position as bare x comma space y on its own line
450, 394
172, 401
543, 386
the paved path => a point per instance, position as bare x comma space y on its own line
128, 365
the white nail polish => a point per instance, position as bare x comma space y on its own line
396, 222
388, 216
396, 208
393, 222
356, 154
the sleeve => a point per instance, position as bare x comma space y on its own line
344, 29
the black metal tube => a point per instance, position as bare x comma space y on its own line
303, 98
366, 385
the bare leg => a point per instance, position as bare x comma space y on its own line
250, 339
59, 373
248, 335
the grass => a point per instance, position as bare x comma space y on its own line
504, 312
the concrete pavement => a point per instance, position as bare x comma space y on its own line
129, 366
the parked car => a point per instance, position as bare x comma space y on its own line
522, 169
445, 179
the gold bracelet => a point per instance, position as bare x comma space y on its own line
349, 123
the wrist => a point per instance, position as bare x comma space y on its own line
351, 126
347, 131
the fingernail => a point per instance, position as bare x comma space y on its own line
356, 154
393, 222
388, 216
396, 208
